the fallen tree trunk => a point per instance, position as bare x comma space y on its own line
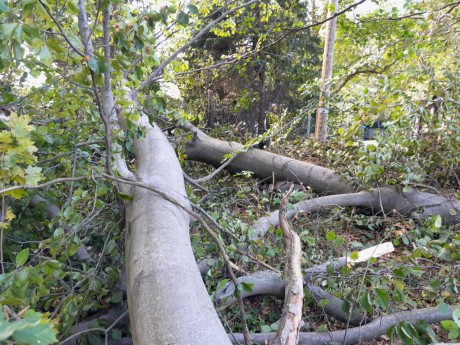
265, 165
355, 335
168, 302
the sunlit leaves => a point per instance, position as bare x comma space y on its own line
45, 55
33, 175
33, 328
17, 151
7, 30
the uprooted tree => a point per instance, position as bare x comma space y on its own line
92, 148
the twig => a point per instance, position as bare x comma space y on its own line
70, 152
61, 29
193, 182
46, 184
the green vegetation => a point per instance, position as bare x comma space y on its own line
68, 120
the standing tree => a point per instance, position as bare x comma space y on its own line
326, 75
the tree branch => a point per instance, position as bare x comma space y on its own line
208, 27
291, 318
61, 29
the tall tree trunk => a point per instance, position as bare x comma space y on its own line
328, 57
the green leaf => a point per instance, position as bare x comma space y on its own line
247, 286
443, 308
381, 297
93, 65
123, 196
37, 335
153, 16
339, 241
330, 236
18, 52
116, 334
6, 30
436, 284
448, 325
117, 297
222, 283
27, 7
31, 31
22, 257
73, 7
33, 175
182, 18
192, 8
271, 253
437, 221
365, 302
354, 255
310, 240
55, 45
3, 6
346, 307
265, 328
456, 316
45, 55
323, 302
453, 334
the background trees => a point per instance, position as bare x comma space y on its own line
87, 170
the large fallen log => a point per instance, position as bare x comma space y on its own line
388, 199
263, 164
356, 335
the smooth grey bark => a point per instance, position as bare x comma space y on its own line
358, 334
271, 283
263, 164
168, 302
388, 200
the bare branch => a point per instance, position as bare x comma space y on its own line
46, 184
368, 71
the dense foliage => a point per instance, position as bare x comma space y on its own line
261, 64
